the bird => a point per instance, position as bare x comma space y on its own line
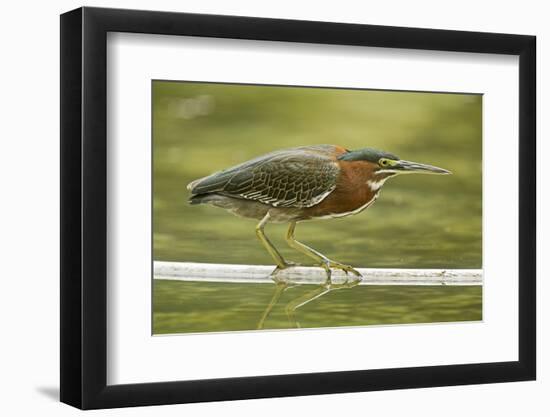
301, 184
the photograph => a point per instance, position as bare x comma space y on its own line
286, 207
283, 207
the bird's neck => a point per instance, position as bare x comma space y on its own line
360, 181
376, 183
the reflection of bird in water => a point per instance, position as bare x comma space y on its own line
299, 184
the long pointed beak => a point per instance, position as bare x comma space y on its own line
414, 167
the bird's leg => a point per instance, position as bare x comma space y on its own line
324, 262
277, 257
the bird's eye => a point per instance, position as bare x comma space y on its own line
384, 162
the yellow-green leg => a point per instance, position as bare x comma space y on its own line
324, 262
277, 257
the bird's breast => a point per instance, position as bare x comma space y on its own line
343, 212
343, 202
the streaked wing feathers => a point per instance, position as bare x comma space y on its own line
300, 177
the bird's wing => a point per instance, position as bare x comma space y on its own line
300, 177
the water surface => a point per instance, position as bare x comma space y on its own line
183, 307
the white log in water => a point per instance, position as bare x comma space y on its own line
203, 272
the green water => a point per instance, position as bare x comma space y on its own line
419, 221
182, 307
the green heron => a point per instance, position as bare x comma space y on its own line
304, 183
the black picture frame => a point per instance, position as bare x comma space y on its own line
84, 207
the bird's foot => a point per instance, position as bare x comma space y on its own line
346, 268
328, 265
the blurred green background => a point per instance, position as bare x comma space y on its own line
419, 221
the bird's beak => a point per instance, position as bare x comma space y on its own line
405, 167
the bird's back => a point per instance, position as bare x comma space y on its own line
295, 177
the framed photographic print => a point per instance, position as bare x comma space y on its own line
237, 223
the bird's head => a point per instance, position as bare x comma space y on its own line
383, 165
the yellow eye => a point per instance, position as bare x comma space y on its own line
384, 162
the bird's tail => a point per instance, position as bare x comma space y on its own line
197, 199
193, 184
206, 199
199, 196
